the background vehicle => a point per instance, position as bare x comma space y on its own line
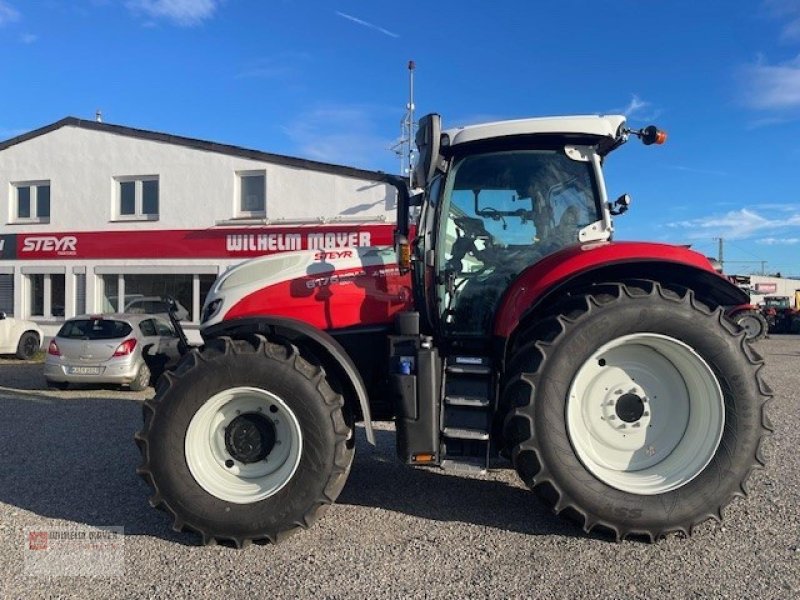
608, 372
117, 349
152, 305
19, 337
780, 315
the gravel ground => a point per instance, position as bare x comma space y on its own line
68, 459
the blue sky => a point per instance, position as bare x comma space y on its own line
327, 80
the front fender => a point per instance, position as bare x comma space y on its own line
610, 261
333, 357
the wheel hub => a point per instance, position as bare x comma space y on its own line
249, 438
630, 408
243, 444
645, 413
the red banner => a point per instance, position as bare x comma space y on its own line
194, 243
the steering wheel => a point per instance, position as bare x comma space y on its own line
472, 227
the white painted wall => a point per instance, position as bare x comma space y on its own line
783, 287
197, 188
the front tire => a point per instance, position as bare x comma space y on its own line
638, 412
245, 441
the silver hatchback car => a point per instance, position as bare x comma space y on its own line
123, 349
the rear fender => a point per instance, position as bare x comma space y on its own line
543, 284
332, 357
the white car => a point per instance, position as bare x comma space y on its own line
23, 338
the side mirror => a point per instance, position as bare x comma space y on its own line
620, 205
427, 140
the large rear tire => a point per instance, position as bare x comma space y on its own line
638, 411
246, 441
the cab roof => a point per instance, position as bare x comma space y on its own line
601, 126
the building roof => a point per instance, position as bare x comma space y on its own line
204, 145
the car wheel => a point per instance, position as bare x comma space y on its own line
28, 345
142, 379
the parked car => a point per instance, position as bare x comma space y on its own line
23, 338
123, 349
157, 304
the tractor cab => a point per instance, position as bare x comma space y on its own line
777, 302
500, 198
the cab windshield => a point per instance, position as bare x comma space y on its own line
503, 211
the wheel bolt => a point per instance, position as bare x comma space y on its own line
229, 463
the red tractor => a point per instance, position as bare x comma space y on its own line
505, 324
780, 315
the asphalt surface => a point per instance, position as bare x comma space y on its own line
67, 459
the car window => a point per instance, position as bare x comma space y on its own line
94, 329
147, 327
164, 328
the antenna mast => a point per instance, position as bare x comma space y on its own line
405, 147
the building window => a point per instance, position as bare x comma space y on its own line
136, 198
31, 202
80, 293
252, 194
46, 298
7, 294
144, 293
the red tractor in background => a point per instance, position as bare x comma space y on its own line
780, 315
505, 324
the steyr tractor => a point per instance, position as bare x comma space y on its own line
505, 323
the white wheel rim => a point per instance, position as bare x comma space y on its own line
217, 471
750, 324
659, 442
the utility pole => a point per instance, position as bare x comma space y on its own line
721, 258
763, 267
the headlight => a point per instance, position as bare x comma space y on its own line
211, 309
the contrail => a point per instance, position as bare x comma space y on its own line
365, 24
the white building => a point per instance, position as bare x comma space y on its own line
762, 286
93, 213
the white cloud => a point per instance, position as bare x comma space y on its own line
737, 224
637, 109
8, 14
185, 13
28, 38
787, 11
366, 24
340, 135
773, 87
778, 241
